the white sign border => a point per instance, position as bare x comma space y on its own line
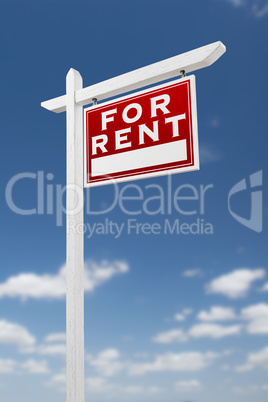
154, 173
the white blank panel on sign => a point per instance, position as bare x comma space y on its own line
140, 158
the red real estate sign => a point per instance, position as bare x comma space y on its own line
149, 133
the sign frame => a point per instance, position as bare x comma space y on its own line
192, 110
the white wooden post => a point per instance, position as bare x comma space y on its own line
74, 243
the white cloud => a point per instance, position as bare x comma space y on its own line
245, 390
257, 315
179, 317
97, 274
30, 366
208, 154
58, 381
192, 273
11, 333
213, 331
187, 386
236, 284
141, 355
140, 390
49, 350
237, 3
249, 389
35, 367
134, 389
56, 337
264, 288
153, 390
100, 385
260, 11
182, 316
188, 361
59, 378
225, 367
7, 366
107, 362
27, 285
49, 286
201, 330
187, 311
217, 313
255, 360
255, 311
175, 335
259, 8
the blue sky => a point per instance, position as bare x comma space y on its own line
178, 317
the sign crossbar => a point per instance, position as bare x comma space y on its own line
166, 69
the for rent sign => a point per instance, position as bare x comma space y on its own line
149, 133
